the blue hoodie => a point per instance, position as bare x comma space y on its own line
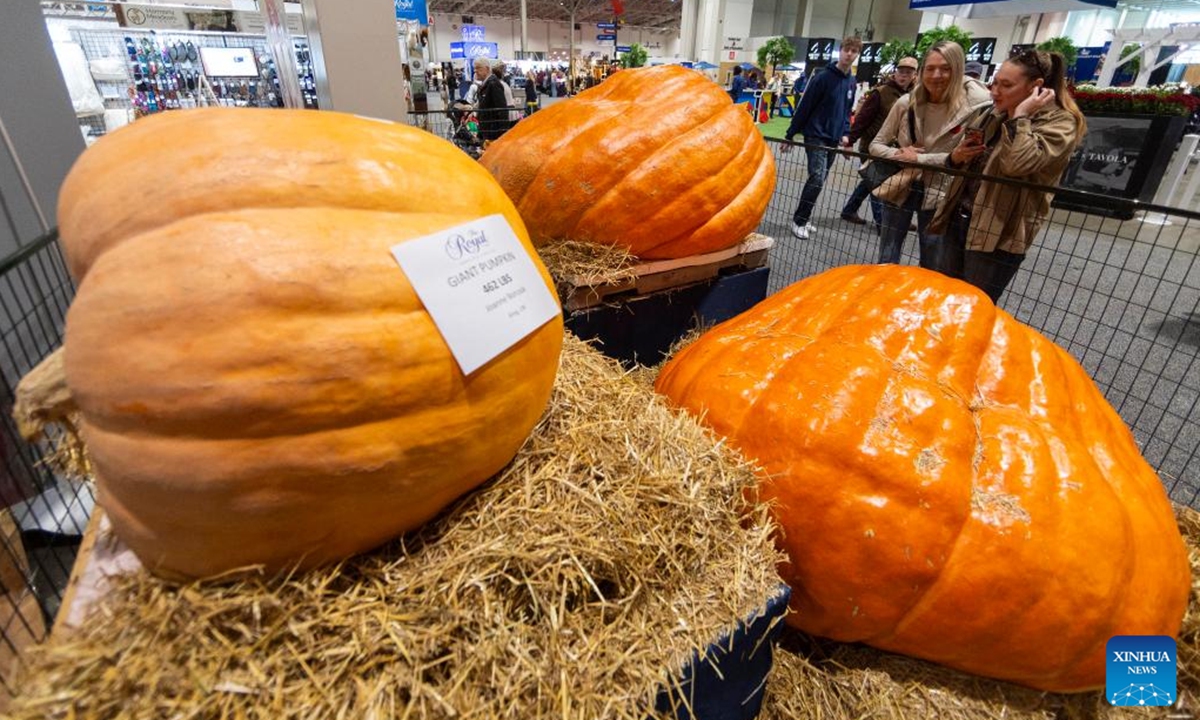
824, 113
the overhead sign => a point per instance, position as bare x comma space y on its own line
820, 51
981, 50
412, 10
473, 33
152, 17
623, 48
606, 37
606, 26
471, 50
734, 43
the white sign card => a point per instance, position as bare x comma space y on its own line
480, 287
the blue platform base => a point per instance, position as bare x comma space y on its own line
729, 680
642, 329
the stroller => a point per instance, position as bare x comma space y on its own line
464, 128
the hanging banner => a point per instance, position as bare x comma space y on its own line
472, 50
412, 10
473, 33
869, 62
1087, 63
981, 50
819, 53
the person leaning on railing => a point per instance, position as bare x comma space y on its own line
1029, 133
940, 101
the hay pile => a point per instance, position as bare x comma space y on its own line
575, 264
611, 548
828, 680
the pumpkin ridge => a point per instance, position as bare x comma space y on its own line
735, 214
656, 157
596, 135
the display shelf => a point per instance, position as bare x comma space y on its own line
164, 70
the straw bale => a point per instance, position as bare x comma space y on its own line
574, 264
570, 586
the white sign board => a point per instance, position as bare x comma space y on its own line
480, 287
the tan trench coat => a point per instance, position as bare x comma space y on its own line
938, 142
1036, 149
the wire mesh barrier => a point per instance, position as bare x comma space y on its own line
44, 515
467, 127
1123, 297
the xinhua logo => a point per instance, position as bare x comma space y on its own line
1141, 670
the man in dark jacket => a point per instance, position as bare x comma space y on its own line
824, 119
737, 85
867, 121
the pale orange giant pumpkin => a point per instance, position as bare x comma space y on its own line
656, 160
258, 381
949, 483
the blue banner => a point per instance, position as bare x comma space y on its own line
412, 10
473, 33
997, 8
471, 50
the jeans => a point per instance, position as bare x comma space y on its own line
989, 271
820, 159
896, 220
862, 191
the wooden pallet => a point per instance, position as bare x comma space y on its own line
656, 275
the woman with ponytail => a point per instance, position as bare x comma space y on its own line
1029, 133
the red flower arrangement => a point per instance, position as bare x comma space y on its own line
1162, 100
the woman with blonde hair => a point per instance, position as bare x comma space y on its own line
1029, 133
923, 127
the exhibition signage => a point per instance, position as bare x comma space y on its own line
982, 50
480, 286
412, 10
473, 33
623, 48
606, 26
606, 37
472, 50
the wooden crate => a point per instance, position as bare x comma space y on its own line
655, 275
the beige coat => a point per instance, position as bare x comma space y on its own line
938, 142
1036, 149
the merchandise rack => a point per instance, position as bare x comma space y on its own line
186, 79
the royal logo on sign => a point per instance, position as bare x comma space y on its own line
1141, 670
473, 33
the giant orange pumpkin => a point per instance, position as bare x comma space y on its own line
948, 483
258, 381
656, 160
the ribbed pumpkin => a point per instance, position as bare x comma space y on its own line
657, 160
949, 483
258, 381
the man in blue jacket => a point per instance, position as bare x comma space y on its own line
823, 118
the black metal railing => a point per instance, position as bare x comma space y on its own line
42, 514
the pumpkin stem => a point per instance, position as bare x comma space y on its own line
43, 401
43, 397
